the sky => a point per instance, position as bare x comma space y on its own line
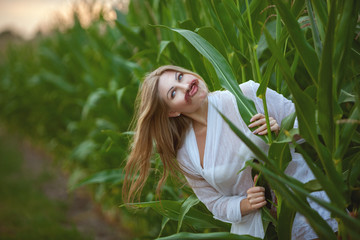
26, 17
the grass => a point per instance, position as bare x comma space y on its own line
25, 211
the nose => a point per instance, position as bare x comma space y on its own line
182, 86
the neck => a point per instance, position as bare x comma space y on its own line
199, 118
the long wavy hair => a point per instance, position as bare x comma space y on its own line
152, 125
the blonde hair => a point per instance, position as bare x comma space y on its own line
153, 125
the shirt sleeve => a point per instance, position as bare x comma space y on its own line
278, 106
224, 208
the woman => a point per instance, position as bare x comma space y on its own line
177, 113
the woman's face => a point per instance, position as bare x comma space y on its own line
182, 92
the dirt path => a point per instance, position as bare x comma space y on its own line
82, 211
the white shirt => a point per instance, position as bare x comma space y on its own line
219, 185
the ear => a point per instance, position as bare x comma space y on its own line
174, 114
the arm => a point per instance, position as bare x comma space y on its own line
228, 208
278, 107
255, 199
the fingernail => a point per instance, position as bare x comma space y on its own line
254, 132
250, 126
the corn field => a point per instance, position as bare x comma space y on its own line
74, 90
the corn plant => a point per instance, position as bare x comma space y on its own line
74, 90
312, 60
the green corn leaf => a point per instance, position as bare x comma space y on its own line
287, 136
267, 217
212, 36
347, 133
50, 55
131, 36
294, 184
313, 186
185, 207
244, 61
238, 20
285, 221
163, 45
164, 221
354, 169
280, 153
83, 150
257, 17
216, 235
227, 26
305, 111
314, 29
325, 89
344, 37
320, 15
280, 183
119, 96
295, 64
330, 188
213, 77
113, 176
306, 52
172, 210
93, 100
286, 124
345, 97
175, 56
57, 81
188, 24
193, 10
266, 78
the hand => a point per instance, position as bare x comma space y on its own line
259, 120
255, 199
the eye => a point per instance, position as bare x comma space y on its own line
173, 94
180, 76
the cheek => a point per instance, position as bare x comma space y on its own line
180, 104
204, 87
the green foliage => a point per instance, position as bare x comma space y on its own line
75, 91
25, 212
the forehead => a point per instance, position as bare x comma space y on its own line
165, 82
167, 75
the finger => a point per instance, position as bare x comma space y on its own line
257, 116
253, 202
258, 195
275, 128
263, 132
272, 122
257, 200
260, 121
260, 129
255, 179
257, 123
255, 190
258, 205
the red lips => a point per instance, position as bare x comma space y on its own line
192, 90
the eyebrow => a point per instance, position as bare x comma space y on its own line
169, 91
172, 87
